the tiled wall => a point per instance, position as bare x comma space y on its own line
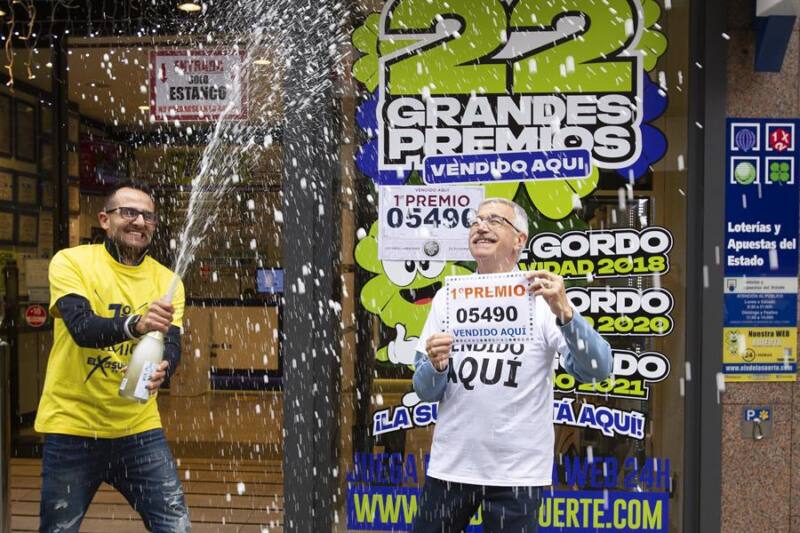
760, 479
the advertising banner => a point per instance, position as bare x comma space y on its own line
540, 103
761, 258
381, 495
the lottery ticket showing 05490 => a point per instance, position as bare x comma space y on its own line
489, 308
426, 223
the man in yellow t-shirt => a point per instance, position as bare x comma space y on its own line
104, 297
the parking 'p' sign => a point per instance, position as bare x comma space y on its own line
489, 308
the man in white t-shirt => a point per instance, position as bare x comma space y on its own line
493, 443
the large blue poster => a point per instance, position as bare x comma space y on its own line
761, 259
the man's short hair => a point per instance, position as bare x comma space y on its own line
520, 216
130, 183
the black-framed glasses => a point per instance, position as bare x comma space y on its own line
492, 221
131, 214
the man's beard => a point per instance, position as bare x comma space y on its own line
128, 251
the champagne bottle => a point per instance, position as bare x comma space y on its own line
147, 355
145, 360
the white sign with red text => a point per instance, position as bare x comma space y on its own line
426, 223
198, 85
489, 308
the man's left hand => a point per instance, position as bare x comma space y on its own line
551, 287
157, 377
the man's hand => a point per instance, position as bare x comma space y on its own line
157, 318
551, 287
438, 347
157, 377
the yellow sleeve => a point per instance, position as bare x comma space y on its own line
178, 303
65, 278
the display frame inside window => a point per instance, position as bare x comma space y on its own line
7, 186
25, 131
46, 119
27, 222
74, 196
6, 126
73, 128
8, 227
46, 231
26, 190
45, 156
73, 164
47, 194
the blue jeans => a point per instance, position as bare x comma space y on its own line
139, 466
446, 507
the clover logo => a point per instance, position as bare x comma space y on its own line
779, 171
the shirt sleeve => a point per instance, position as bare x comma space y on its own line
429, 383
86, 328
65, 278
172, 351
585, 354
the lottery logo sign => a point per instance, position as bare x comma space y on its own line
420, 223
490, 308
746, 139
780, 137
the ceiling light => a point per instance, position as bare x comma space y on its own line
190, 7
262, 61
144, 108
2, 13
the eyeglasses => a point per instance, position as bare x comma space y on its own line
130, 213
493, 221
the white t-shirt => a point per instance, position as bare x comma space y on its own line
495, 420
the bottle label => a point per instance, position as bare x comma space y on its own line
141, 391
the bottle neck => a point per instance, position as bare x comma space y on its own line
156, 335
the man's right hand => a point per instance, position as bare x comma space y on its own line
157, 318
438, 347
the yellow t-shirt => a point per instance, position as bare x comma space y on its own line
80, 395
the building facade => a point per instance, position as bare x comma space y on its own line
651, 143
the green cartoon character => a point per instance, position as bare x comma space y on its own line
400, 294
